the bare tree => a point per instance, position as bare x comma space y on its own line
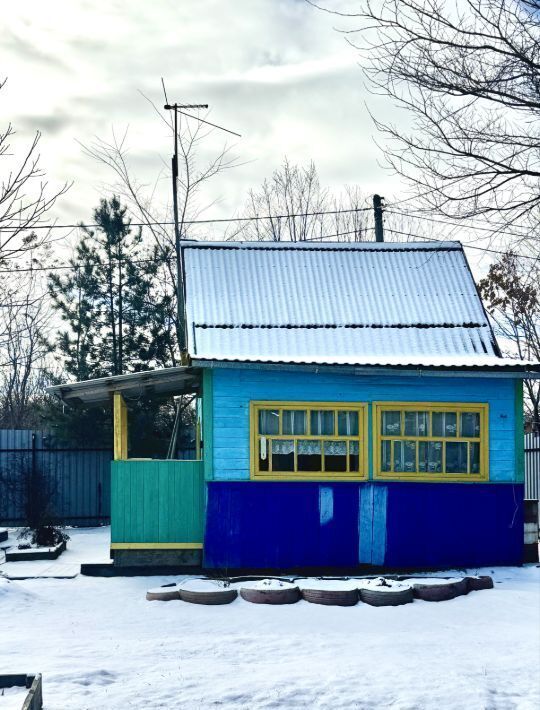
292, 206
467, 75
25, 323
511, 295
25, 202
25, 197
194, 174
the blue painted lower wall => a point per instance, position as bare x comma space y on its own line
277, 525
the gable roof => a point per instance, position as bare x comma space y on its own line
336, 303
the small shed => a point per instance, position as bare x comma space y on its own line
354, 409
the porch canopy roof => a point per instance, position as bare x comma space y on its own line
168, 381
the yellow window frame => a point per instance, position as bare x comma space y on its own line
360, 407
431, 408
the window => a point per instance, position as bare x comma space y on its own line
431, 441
308, 440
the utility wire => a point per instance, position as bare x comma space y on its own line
466, 245
194, 221
60, 267
455, 224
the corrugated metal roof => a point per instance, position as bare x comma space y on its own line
333, 302
170, 380
525, 368
341, 343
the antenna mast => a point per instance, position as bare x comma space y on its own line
180, 281
180, 291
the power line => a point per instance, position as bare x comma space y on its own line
330, 236
467, 246
455, 224
257, 218
60, 267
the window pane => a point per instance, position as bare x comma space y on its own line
354, 456
335, 455
391, 423
348, 423
416, 423
404, 456
282, 455
475, 457
386, 456
322, 422
268, 421
309, 455
430, 456
456, 457
437, 424
294, 421
470, 424
264, 458
450, 424
409, 456
444, 424
422, 456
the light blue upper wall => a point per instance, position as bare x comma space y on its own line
233, 389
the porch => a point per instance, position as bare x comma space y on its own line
157, 504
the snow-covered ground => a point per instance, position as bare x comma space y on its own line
100, 644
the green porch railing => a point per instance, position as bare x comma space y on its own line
157, 504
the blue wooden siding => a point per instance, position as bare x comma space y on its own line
234, 388
274, 525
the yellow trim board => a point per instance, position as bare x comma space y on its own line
360, 407
120, 424
156, 545
483, 440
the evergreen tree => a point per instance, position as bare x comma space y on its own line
117, 319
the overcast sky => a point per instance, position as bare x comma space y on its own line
275, 71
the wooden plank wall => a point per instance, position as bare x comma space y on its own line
157, 502
293, 525
234, 388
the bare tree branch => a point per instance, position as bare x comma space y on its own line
467, 77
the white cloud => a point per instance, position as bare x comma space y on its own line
274, 70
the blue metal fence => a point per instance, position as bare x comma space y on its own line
78, 479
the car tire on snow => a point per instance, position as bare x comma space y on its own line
375, 597
218, 596
447, 589
288, 595
480, 582
163, 594
331, 597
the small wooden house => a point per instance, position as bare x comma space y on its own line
354, 407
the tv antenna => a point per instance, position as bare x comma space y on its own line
180, 285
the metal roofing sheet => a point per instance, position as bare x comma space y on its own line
525, 368
281, 302
330, 287
170, 380
355, 344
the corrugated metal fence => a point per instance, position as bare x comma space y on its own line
78, 479
532, 466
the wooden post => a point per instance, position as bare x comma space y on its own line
120, 427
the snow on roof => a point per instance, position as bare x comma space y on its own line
335, 303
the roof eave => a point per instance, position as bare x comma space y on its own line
503, 371
98, 392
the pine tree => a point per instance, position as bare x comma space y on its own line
117, 319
